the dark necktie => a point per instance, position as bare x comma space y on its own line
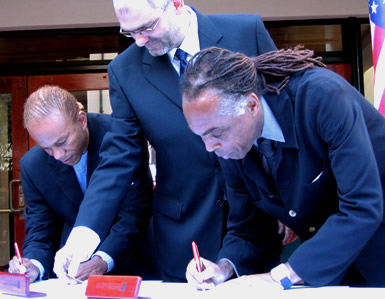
267, 149
182, 56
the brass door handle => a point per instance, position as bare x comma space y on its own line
21, 197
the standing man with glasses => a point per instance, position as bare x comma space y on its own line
189, 200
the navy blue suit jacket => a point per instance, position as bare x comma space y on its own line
53, 197
189, 199
329, 175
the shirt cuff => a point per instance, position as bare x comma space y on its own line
38, 265
107, 258
232, 265
83, 240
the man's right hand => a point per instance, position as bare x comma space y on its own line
27, 267
211, 275
79, 247
66, 264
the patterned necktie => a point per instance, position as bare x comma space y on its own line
182, 56
267, 149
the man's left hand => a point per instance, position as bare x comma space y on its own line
94, 266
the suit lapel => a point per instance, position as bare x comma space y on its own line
159, 70
96, 136
161, 74
286, 156
66, 181
252, 168
209, 35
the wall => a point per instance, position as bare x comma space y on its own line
44, 14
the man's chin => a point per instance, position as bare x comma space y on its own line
156, 51
231, 156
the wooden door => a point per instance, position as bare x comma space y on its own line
13, 144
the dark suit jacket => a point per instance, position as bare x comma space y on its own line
188, 201
53, 197
329, 175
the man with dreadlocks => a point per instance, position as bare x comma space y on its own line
322, 175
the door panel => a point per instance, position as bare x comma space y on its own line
71, 82
13, 144
343, 70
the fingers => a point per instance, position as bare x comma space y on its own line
14, 266
27, 267
289, 237
200, 280
31, 270
206, 279
293, 237
62, 260
74, 266
67, 261
95, 266
281, 227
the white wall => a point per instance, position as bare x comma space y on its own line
44, 14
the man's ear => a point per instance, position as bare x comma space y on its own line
178, 4
82, 117
253, 104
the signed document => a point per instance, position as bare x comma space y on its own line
56, 289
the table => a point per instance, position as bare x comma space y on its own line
56, 289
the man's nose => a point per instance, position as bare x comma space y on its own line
140, 39
211, 146
58, 153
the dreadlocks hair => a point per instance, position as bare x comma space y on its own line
235, 75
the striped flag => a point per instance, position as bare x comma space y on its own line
377, 26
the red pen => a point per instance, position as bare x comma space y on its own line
196, 256
17, 251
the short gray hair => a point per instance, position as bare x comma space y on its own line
232, 105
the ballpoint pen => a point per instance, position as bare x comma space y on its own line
196, 256
72, 278
23, 269
17, 251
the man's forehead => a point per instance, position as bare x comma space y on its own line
130, 7
133, 17
203, 118
46, 131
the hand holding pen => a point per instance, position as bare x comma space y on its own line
22, 268
22, 265
202, 273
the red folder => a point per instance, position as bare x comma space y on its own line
113, 286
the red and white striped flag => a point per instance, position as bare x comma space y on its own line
377, 26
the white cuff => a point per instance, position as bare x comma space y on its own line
38, 265
107, 258
281, 275
232, 264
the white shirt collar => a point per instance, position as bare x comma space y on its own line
190, 43
271, 129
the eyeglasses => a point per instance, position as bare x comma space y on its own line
147, 29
